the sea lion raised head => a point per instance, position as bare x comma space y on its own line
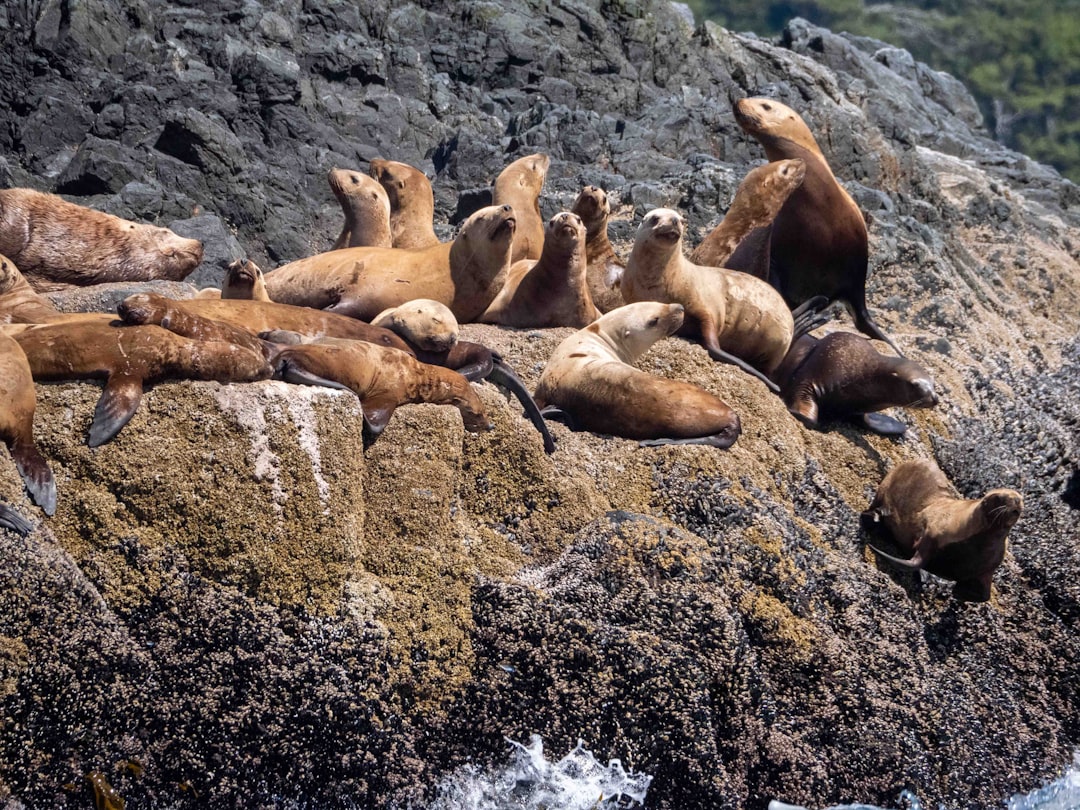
412, 203
366, 207
519, 185
605, 268
243, 282
773, 124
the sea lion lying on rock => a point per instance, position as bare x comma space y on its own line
412, 204
949, 536
18, 400
58, 244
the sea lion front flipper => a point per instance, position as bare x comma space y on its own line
10, 519
723, 442
37, 476
504, 377
880, 423
377, 415
557, 414
974, 590
117, 405
721, 356
865, 324
291, 373
914, 564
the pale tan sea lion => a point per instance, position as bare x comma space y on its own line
57, 244
552, 290
412, 203
519, 185
424, 324
605, 268
758, 199
366, 207
590, 378
949, 536
18, 400
465, 274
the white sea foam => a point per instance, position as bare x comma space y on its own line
530, 782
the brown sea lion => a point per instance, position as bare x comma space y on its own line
243, 282
465, 274
605, 267
383, 379
758, 199
58, 244
366, 207
589, 378
552, 290
520, 185
412, 204
126, 357
256, 317
818, 243
20, 304
740, 319
18, 401
949, 536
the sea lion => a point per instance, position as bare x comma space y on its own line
10, 519
519, 185
590, 379
21, 304
758, 199
843, 376
366, 207
552, 290
58, 244
126, 357
18, 401
412, 203
431, 330
382, 378
818, 244
740, 319
605, 268
243, 282
949, 536
256, 317
361, 282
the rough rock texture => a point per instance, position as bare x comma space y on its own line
238, 597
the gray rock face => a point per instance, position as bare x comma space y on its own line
257, 628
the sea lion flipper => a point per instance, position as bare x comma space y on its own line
37, 476
290, 372
914, 564
865, 324
721, 356
557, 414
808, 316
117, 405
10, 519
880, 423
377, 413
504, 377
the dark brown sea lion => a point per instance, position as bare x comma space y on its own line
366, 207
465, 274
18, 401
589, 378
954, 538
818, 243
552, 290
843, 376
126, 357
382, 378
412, 203
605, 267
58, 244
758, 199
519, 185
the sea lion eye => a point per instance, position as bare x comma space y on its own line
653, 322
766, 106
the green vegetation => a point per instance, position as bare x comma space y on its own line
1019, 58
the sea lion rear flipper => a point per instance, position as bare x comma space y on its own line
880, 423
974, 590
865, 324
504, 377
10, 519
722, 442
914, 564
37, 476
808, 316
349, 307
292, 373
117, 405
557, 414
723, 357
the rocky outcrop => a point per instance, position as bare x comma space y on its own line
240, 598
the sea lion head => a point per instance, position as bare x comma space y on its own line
911, 385
142, 309
494, 224
428, 325
1002, 508
565, 230
770, 122
527, 173
396, 177
592, 205
661, 226
634, 328
179, 255
355, 188
9, 274
242, 273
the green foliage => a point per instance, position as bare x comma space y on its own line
1019, 58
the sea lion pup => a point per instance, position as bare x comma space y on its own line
10, 519
383, 379
818, 241
740, 319
431, 330
758, 199
255, 317
843, 376
519, 185
366, 207
552, 290
126, 357
18, 401
589, 379
361, 282
949, 536
58, 244
605, 268
412, 203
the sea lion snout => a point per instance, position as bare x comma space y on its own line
1003, 507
